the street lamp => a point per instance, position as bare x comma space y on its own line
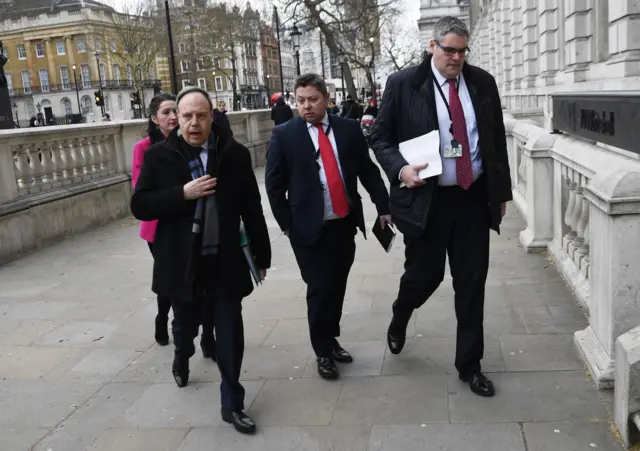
341, 62
295, 38
100, 80
269, 90
373, 68
215, 88
75, 83
144, 111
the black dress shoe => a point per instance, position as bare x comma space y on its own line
208, 349
340, 354
180, 371
479, 384
162, 331
397, 334
327, 368
241, 421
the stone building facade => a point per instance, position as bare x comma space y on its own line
538, 48
432, 10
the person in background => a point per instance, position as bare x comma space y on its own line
281, 112
106, 117
372, 109
351, 109
333, 109
200, 184
220, 116
162, 120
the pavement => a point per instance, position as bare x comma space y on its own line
80, 369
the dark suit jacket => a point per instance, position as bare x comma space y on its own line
408, 110
293, 180
159, 195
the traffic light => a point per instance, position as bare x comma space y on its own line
136, 97
99, 99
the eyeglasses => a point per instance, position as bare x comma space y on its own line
450, 51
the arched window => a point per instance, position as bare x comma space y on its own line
87, 105
120, 102
107, 104
66, 107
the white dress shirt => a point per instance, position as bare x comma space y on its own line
204, 156
313, 132
448, 176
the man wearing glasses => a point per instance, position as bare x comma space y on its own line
450, 214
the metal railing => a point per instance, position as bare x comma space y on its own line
71, 87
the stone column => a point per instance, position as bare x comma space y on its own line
540, 186
578, 34
516, 44
53, 75
624, 38
530, 43
614, 215
505, 41
548, 11
70, 51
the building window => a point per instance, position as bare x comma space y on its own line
9, 83
86, 75
40, 50
184, 65
202, 83
152, 73
26, 81
181, 48
103, 74
22, 53
64, 77
185, 83
218, 83
129, 70
200, 64
113, 46
60, 48
107, 104
87, 105
81, 45
67, 109
98, 44
31, 110
44, 80
116, 73
120, 102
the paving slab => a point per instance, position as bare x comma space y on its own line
81, 371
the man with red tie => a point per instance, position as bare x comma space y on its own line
313, 166
450, 214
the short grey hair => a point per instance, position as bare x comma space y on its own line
450, 24
314, 80
188, 90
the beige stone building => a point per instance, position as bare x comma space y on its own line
50, 44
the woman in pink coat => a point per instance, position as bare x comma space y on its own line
162, 120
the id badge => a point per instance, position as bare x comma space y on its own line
453, 151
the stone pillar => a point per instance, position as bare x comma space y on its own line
624, 37
53, 75
71, 51
516, 44
8, 181
626, 396
578, 34
614, 274
505, 28
548, 11
530, 49
540, 186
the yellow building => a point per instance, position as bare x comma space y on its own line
50, 45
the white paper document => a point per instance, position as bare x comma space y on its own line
423, 149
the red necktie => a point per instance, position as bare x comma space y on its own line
464, 174
339, 201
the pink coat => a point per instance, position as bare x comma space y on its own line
147, 228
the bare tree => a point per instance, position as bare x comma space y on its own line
139, 37
347, 26
6, 7
400, 45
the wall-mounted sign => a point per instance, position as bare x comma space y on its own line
610, 118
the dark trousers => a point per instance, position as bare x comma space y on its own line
458, 227
325, 269
164, 303
227, 320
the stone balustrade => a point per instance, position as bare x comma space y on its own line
581, 202
60, 180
